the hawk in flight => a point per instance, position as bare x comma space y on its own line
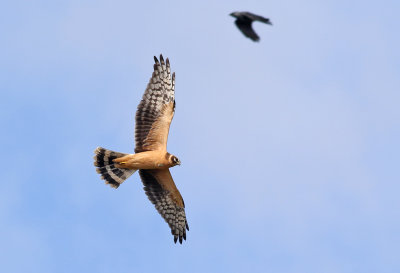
153, 118
245, 19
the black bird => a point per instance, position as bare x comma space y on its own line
244, 21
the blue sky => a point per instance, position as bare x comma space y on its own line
289, 147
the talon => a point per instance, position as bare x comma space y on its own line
120, 165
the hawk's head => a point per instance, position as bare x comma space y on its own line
235, 14
174, 160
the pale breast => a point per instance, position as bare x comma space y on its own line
145, 160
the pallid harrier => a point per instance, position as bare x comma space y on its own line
153, 118
244, 21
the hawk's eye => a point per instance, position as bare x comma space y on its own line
175, 159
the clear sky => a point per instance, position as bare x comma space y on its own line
289, 147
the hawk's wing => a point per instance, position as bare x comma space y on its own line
156, 110
255, 17
162, 192
246, 29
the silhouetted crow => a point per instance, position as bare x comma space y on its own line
244, 20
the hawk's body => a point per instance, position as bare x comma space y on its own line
153, 119
244, 21
144, 161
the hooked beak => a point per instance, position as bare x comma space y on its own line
178, 163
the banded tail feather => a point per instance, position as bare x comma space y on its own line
103, 160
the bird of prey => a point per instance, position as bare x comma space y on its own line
245, 19
153, 118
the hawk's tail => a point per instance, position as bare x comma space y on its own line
103, 160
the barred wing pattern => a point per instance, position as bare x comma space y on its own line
156, 109
169, 203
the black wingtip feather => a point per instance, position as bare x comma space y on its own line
156, 60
